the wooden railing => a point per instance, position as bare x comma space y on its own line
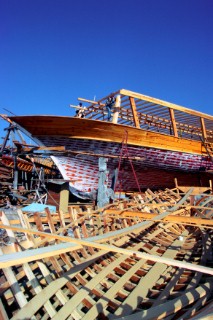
153, 114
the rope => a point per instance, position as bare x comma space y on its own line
124, 151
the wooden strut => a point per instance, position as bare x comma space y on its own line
62, 150
195, 221
106, 247
170, 218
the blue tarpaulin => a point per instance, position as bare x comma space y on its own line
38, 207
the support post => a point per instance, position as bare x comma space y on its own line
116, 108
15, 173
203, 128
134, 112
172, 117
104, 193
6, 138
64, 197
210, 184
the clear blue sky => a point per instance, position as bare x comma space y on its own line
54, 51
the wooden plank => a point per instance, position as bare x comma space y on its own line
171, 307
118, 250
9, 275
196, 191
206, 249
28, 271
206, 313
37, 288
48, 277
37, 302
170, 218
85, 234
134, 112
141, 290
86, 290
75, 228
25, 224
61, 218
50, 220
109, 295
13, 259
172, 282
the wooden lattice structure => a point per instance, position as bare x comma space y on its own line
149, 257
156, 115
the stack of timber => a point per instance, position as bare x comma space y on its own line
148, 257
29, 165
5, 181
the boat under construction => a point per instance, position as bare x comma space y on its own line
119, 222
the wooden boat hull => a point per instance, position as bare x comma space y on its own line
167, 156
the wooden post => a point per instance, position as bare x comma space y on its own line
176, 185
203, 128
172, 117
116, 107
15, 173
134, 112
3, 314
210, 184
50, 220
64, 197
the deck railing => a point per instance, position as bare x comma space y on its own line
152, 114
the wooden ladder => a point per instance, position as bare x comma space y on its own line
209, 148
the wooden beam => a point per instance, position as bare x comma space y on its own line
165, 103
5, 117
105, 155
116, 109
196, 191
174, 127
203, 127
134, 112
16, 258
111, 248
170, 218
99, 101
87, 100
52, 289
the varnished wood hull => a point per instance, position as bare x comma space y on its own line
148, 150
